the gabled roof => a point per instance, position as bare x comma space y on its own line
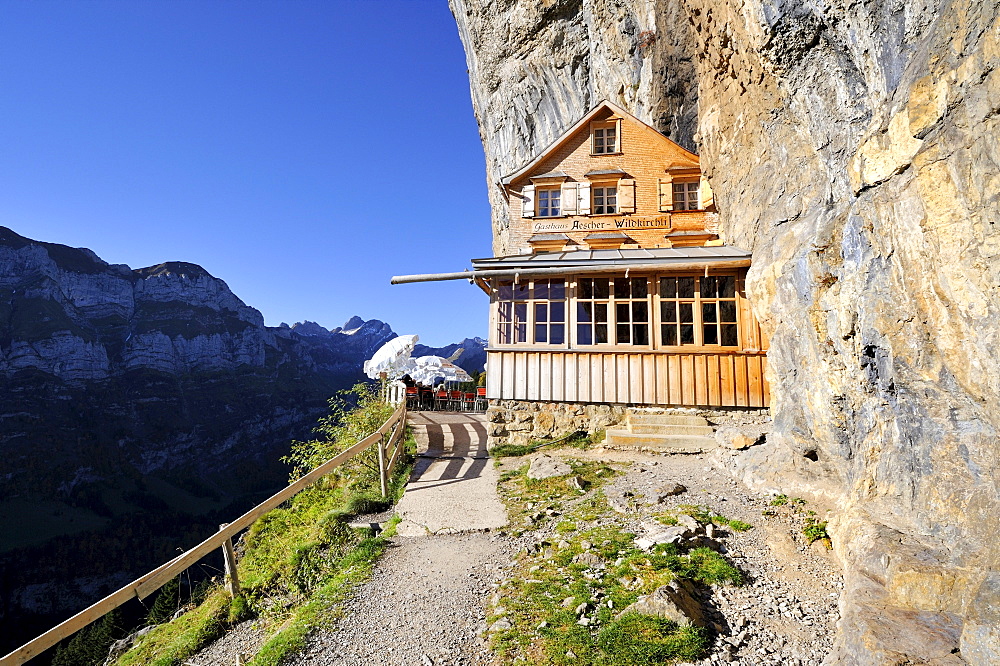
579, 125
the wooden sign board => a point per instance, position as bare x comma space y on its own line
611, 223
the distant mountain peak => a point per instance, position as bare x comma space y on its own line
353, 323
309, 328
180, 268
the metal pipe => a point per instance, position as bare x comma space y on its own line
665, 265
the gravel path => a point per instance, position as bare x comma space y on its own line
424, 605
426, 601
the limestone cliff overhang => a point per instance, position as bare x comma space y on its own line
578, 126
570, 262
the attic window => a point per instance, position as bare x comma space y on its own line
604, 138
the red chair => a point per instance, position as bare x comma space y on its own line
468, 402
441, 400
412, 397
481, 401
455, 401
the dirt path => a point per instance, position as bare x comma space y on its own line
426, 601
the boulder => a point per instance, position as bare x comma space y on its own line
669, 490
656, 534
673, 601
739, 438
545, 467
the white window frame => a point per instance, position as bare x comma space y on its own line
601, 193
687, 192
546, 193
524, 293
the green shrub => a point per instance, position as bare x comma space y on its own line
815, 530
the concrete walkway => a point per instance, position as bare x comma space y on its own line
453, 485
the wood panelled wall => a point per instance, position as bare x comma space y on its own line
704, 379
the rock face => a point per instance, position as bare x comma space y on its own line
852, 147
536, 67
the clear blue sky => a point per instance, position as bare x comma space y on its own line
303, 151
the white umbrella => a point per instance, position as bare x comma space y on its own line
427, 369
391, 358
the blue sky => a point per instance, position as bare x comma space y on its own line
303, 151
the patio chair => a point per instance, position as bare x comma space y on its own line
441, 401
412, 398
455, 401
468, 402
481, 402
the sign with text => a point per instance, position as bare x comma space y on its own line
602, 224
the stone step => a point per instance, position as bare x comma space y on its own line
629, 441
653, 418
671, 429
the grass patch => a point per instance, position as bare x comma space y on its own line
565, 599
578, 440
705, 516
171, 643
640, 640
512, 450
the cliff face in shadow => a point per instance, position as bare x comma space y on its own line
852, 147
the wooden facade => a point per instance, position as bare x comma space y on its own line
710, 379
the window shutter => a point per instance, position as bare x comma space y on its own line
528, 203
666, 195
584, 199
618, 136
569, 198
626, 195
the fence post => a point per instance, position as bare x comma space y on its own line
381, 467
232, 578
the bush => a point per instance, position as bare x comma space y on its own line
354, 414
815, 530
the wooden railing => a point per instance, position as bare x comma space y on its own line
388, 438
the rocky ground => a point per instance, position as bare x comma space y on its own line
787, 611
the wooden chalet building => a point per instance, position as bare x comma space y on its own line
616, 288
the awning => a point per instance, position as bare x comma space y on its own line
594, 261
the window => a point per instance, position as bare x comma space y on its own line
605, 140
686, 196
531, 312
698, 311
632, 311
548, 202
617, 307
549, 299
605, 200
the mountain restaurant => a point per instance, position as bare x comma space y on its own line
616, 288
